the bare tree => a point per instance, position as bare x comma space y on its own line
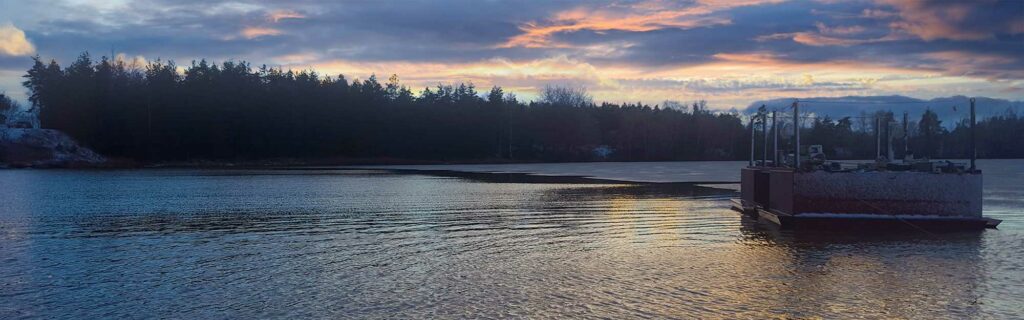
675, 105
566, 96
7, 108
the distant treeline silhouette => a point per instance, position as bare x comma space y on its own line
999, 136
232, 111
7, 105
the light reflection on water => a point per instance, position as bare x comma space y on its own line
290, 243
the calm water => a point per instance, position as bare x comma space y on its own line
373, 244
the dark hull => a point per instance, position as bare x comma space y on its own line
886, 223
863, 200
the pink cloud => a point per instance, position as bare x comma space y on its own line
938, 20
637, 17
829, 36
278, 15
256, 32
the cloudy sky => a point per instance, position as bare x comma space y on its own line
729, 52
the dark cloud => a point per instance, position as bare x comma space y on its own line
983, 39
14, 63
957, 20
471, 30
405, 30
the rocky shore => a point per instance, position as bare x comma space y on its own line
43, 148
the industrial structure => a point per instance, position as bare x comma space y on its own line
802, 189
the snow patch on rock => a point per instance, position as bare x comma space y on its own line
31, 147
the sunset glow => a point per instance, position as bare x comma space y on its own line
727, 52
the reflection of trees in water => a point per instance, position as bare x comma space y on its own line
226, 222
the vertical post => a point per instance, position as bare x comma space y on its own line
889, 126
974, 144
906, 136
510, 110
149, 127
796, 133
878, 137
751, 162
775, 143
764, 132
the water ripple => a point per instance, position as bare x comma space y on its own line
230, 244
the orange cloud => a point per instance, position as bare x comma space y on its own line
279, 15
817, 40
639, 17
256, 32
933, 21
828, 36
252, 32
296, 58
13, 42
537, 35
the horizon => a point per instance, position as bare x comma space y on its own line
879, 100
646, 51
505, 159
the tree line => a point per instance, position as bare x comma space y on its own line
999, 136
6, 106
234, 112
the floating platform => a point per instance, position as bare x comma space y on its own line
863, 199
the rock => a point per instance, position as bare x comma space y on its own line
30, 147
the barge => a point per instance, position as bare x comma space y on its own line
878, 195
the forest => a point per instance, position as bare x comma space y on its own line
233, 111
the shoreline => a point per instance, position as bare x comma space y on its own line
115, 163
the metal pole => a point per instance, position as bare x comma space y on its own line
906, 139
878, 137
775, 144
764, 131
751, 162
509, 120
974, 145
796, 132
889, 125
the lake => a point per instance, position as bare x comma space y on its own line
368, 243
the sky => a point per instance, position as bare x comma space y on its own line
728, 52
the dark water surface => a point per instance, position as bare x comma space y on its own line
373, 244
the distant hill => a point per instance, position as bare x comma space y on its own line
838, 107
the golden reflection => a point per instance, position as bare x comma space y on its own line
645, 220
668, 254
